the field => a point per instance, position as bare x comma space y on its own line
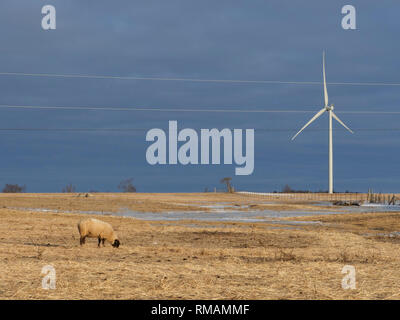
193, 259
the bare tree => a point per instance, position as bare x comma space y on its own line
127, 186
69, 188
14, 188
227, 181
287, 189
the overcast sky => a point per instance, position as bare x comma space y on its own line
234, 40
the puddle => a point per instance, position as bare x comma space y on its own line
224, 214
393, 234
373, 207
194, 225
215, 206
323, 204
265, 216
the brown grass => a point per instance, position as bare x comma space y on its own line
158, 260
145, 202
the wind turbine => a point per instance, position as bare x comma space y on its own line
328, 108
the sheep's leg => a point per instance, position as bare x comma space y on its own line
102, 241
98, 244
82, 240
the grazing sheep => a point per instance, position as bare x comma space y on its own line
94, 228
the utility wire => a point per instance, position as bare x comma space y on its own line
143, 129
152, 109
185, 109
84, 76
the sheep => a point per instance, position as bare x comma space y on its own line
94, 228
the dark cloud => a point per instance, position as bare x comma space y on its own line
254, 40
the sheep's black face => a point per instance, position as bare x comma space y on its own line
116, 243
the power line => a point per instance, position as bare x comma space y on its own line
152, 109
73, 129
85, 76
144, 130
184, 109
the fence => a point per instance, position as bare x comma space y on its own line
346, 197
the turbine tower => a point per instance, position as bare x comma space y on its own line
327, 108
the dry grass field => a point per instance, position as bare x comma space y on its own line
192, 259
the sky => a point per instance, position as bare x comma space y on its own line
279, 40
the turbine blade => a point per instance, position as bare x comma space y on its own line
309, 122
341, 122
325, 89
